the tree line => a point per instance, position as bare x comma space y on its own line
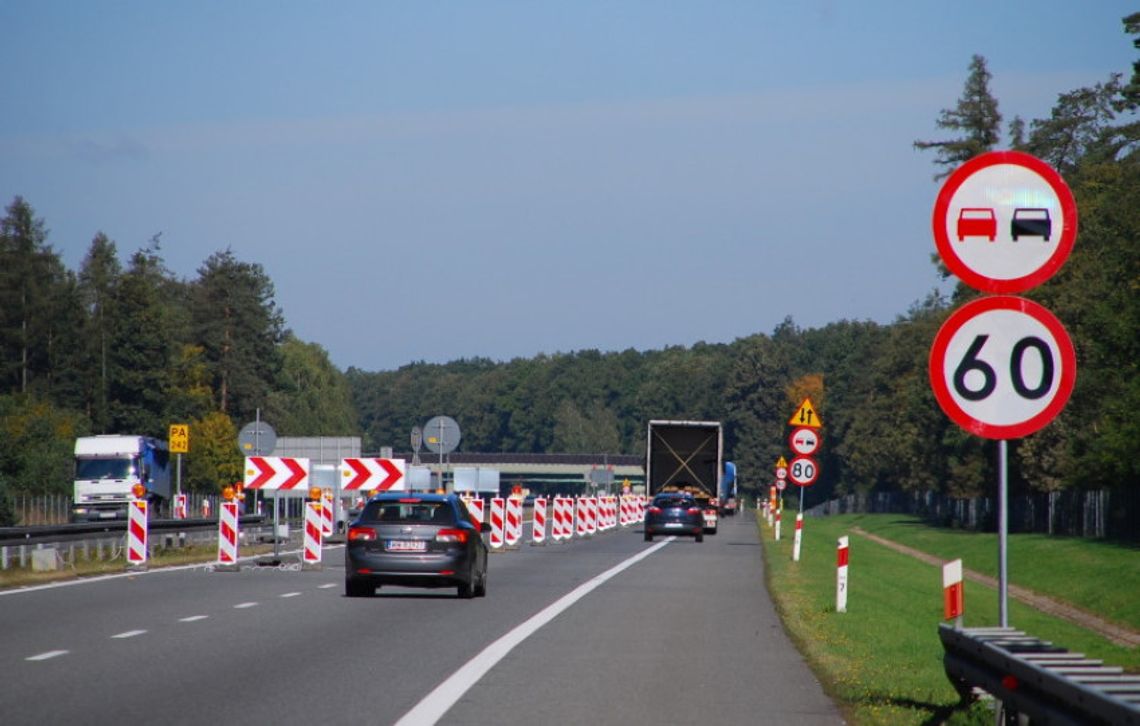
114, 348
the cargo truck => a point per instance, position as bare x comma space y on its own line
107, 468
686, 456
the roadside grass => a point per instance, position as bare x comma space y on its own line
882, 659
1100, 577
166, 557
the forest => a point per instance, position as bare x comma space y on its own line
131, 348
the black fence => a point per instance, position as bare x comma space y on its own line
1098, 514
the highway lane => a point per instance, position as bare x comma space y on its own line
286, 646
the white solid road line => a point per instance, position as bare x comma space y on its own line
445, 695
48, 655
128, 634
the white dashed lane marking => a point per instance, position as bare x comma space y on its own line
290, 594
244, 605
48, 655
128, 634
193, 618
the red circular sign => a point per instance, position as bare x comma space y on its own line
804, 441
803, 471
1004, 222
1002, 367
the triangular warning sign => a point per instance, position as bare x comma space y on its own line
782, 463
806, 416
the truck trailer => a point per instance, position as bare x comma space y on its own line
107, 468
686, 456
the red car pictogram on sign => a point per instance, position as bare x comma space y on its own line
977, 222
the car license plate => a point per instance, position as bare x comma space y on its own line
674, 524
406, 545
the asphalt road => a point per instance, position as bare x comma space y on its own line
571, 633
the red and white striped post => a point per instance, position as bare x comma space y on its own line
180, 509
591, 516
841, 576
580, 516
228, 536
779, 517
326, 514
560, 519
475, 509
205, 507
497, 506
538, 522
953, 595
136, 533
314, 523
799, 537
513, 529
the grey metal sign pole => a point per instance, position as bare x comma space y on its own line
1003, 533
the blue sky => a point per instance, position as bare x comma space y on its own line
443, 180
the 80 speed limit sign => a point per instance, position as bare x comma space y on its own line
1002, 367
803, 471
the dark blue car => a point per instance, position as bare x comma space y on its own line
674, 513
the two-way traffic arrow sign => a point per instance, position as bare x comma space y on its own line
373, 474
276, 472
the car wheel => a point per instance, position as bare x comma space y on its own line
700, 538
355, 588
467, 589
648, 537
481, 588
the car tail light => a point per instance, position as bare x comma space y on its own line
694, 510
452, 535
361, 534
654, 510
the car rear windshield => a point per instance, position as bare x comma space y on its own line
673, 502
409, 512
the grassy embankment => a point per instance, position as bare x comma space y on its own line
882, 659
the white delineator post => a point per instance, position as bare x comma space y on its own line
538, 522
228, 534
953, 596
180, 509
841, 576
798, 537
326, 514
314, 526
136, 533
779, 516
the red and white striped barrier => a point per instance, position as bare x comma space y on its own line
591, 516
206, 508
314, 522
953, 596
327, 510
841, 576
228, 534
538, 522
475, 510
180, 509
497, 506
563, 519
580, 516
513, 530
799, 537
136, 533
609, 511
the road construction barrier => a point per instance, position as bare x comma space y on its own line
327, 511
180, 508
475, 510
580, 516
206, 508
228, 534
591, 516
497, 506
563, 519
314, 522
513, 530
538, 522
136, 533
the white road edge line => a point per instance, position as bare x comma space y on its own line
128, 634
435, 704
48, 655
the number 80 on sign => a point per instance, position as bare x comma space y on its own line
1002, 367
803, 471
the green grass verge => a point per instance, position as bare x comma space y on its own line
882, 659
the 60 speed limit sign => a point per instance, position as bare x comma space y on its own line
1002, 367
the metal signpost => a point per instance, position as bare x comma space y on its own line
259, 439
1002, 366
441, 435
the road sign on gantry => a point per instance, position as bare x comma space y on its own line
1004, 222
1002, 367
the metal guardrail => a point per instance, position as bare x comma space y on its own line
47, 533
1037, 679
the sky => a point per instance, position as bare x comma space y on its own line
430, 181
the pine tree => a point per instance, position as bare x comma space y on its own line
976, 117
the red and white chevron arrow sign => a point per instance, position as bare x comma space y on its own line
276, 472
373, 474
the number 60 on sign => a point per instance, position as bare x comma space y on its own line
1002, 367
